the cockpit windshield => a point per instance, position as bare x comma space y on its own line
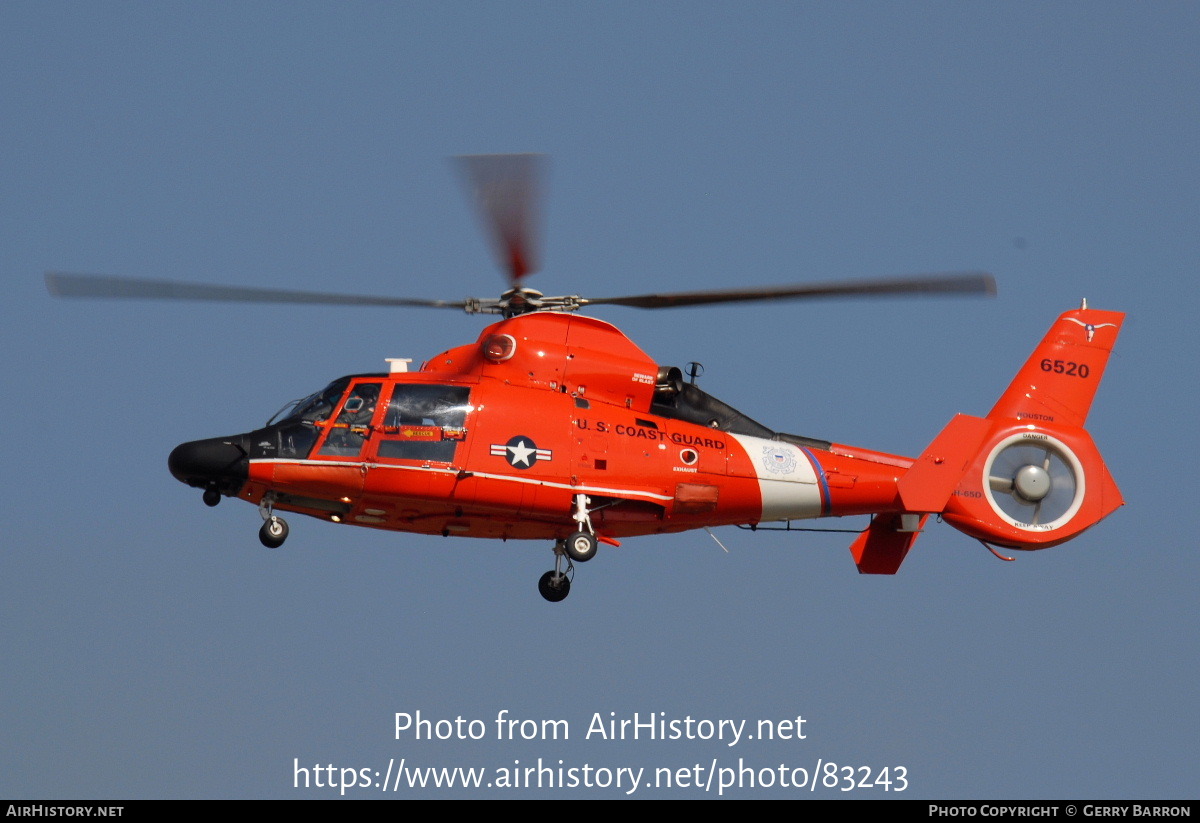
317, 406
293, 430
320, 406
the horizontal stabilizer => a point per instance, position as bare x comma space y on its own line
882, 547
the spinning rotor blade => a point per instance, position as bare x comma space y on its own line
63, 284
505, 188
949, 283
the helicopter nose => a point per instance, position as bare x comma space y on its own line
219, 462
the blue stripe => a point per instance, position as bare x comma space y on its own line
826, 503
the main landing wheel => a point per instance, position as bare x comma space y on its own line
554, 586
273, 532
581, 547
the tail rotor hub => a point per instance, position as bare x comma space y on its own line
1032, 483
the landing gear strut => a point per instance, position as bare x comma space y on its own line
581, 546
274, 529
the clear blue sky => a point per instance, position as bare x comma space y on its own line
152, 648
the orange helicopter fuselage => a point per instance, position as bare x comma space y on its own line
496, 439
556, 426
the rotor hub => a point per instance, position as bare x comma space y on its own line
519, 300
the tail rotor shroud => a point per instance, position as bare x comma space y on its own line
1039, 482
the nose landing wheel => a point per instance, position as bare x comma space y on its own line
273, 532
274, 529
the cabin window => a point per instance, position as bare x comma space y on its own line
424, 422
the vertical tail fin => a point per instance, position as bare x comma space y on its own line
1059, 381
1027, 476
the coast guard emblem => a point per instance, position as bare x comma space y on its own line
778, 460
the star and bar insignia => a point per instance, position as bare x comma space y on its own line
521, 452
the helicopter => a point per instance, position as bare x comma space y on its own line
554, 426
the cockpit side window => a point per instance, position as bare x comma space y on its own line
295, 429
348, 433
297, 432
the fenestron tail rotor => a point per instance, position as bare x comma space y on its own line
1034, 483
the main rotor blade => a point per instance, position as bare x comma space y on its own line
506, 190
64, 284
948, 283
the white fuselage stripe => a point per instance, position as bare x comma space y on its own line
644, 495
786, 479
